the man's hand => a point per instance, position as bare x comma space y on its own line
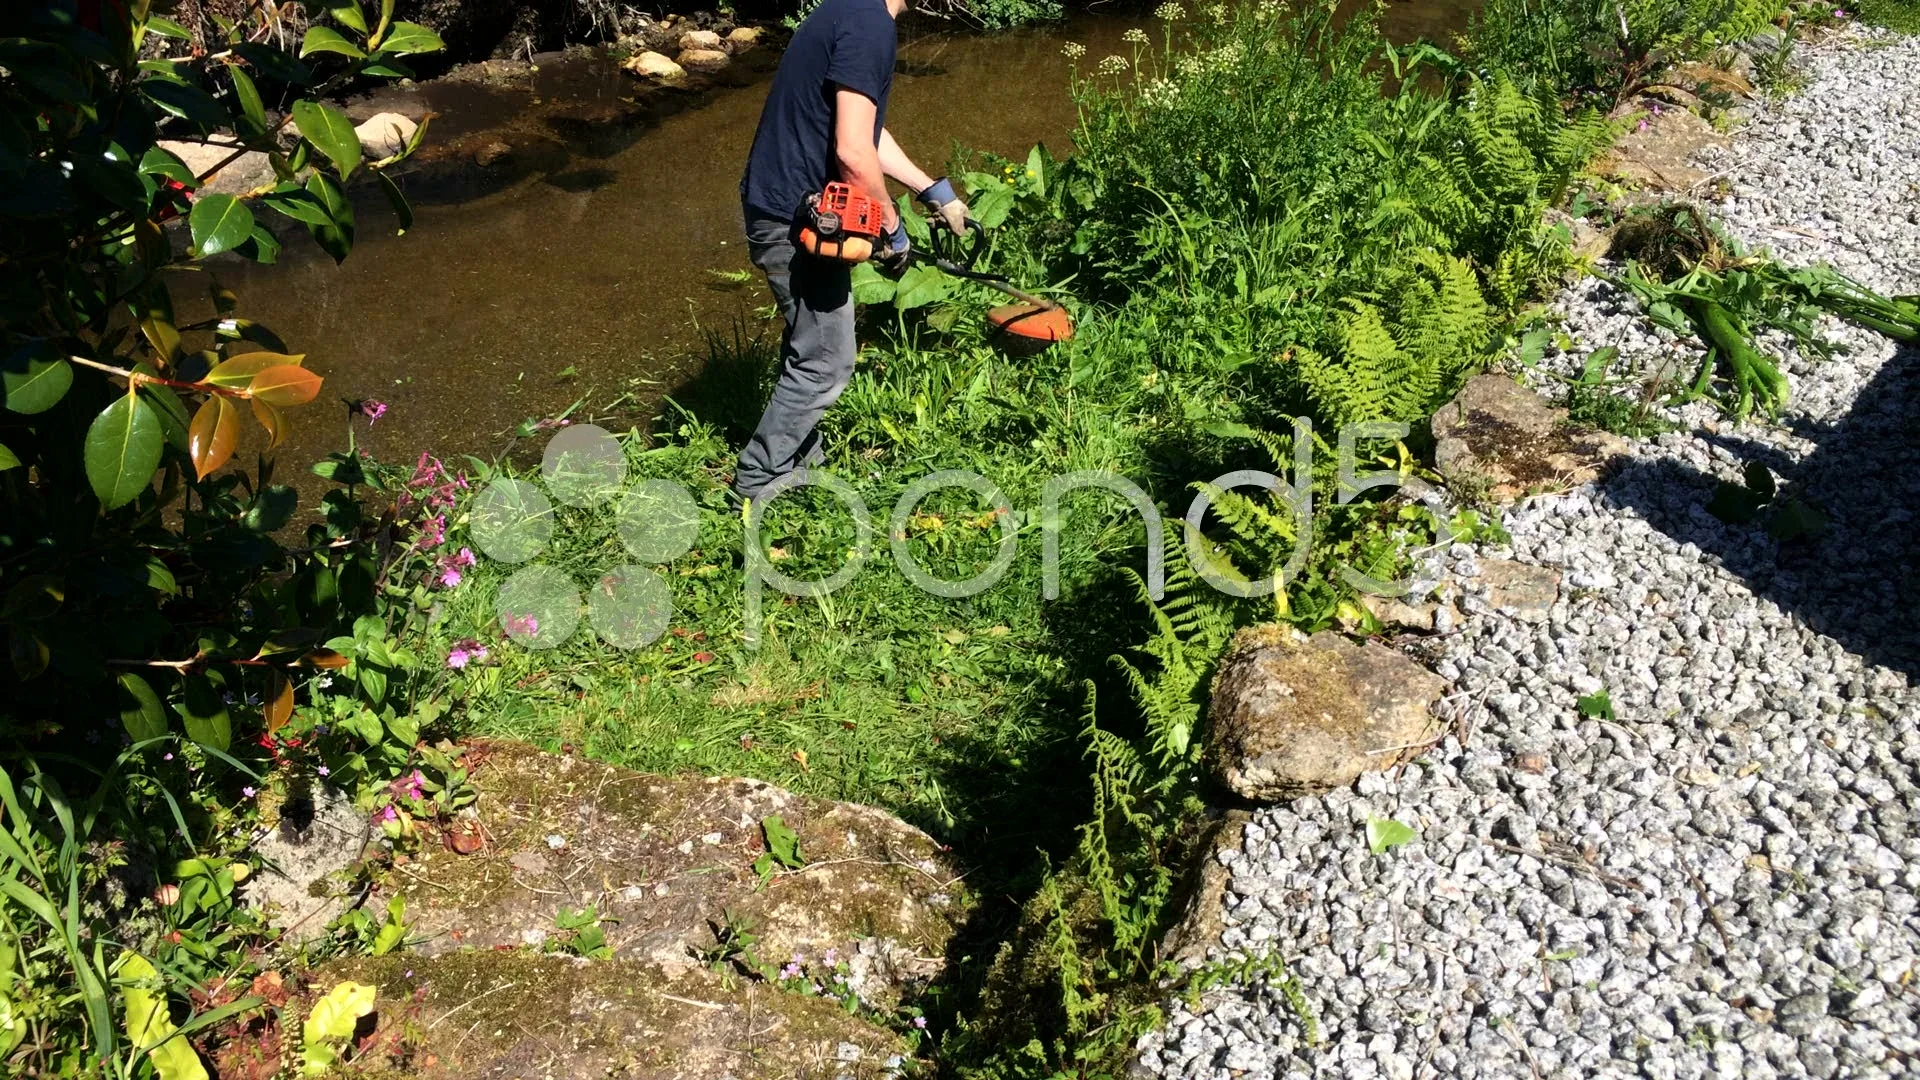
893, 257
940, 198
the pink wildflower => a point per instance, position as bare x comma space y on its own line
369, 408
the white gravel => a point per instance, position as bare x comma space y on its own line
1721, 881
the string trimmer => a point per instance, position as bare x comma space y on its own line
844, 224
1034, 319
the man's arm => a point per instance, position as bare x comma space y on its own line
895, 163
860, 161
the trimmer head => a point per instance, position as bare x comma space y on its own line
1041, 324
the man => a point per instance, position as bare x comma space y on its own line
825, 119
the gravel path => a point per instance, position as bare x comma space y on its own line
1720, 881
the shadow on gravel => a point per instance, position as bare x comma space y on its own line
1857, 581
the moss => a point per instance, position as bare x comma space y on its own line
454, 1014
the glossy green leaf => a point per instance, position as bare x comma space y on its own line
407, 39
336, 239
220, 223
276, 65
402, 209
348, 13
161, 162
8, 459
299, 204
329, 130
327, 39
262, 247
39, 388
168, 28
122, 450
186, 101
203, 709
248, 95
140, 710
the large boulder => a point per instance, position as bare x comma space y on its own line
231, 175
668, 862
742, 39
1295, 716
701, 39
1499, 438
500, 1015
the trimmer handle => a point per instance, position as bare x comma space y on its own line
946, 246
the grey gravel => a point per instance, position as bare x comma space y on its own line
1721, 880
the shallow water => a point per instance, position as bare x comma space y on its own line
590, 278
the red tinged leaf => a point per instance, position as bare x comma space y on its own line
272, 420
326, 659
212, 435
240, 370
285, 385
279, 708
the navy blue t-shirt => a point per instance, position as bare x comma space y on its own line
846, 43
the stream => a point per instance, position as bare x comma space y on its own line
594, 278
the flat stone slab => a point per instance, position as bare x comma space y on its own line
1498, 435
487, 1015
1292, 717
668, 860
1518, 589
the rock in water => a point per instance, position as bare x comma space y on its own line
705, 61
742, 39
652, 65
704, 40
1297, 717
1499, 435
385, 134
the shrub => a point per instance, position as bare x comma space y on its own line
141, 579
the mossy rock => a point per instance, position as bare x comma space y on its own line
504, 1014
667, 860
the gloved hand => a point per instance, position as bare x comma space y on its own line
941, 199
893, 256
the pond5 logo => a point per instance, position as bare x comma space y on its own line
512, 521
658, 521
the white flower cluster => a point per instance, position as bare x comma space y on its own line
1169, 11
1218, 14
1112, 65
1073, 50
1135, 36
1159, 94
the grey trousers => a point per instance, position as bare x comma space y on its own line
816, 354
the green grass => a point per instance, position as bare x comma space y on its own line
1899, 15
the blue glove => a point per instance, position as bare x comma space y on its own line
940, 198
893, 257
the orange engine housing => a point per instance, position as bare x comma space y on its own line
841, 223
